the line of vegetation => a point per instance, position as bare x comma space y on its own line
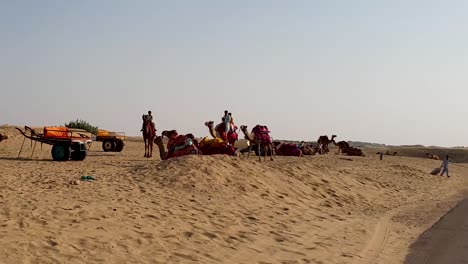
82, 124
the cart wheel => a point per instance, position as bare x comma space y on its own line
108, 145
78, 155
61, 152
119, 145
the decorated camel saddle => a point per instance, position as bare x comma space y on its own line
216, 146
231, 136
180, 145
262, 133
287, 149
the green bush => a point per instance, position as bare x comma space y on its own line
82, 124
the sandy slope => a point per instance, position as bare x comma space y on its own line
216, 209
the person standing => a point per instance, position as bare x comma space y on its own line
226, 120
444, 166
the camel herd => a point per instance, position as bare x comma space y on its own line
223, 141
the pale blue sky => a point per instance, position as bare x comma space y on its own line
391, 72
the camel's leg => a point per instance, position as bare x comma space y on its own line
250, 150
271, 151
150, 149
146, 147
259, 153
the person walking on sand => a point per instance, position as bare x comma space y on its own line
444, 166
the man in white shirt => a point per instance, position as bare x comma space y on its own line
226, 120
149, 118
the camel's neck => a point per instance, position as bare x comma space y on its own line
333, 141
248, 135
212, 131
162, 151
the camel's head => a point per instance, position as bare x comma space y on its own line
171, 133
158, 140
333, 136
243, 128
209, 124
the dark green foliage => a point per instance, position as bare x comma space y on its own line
82, 124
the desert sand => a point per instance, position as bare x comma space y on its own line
216, 209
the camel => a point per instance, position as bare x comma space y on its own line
323, 143
308, 150
178, 145
3, 137
261, 143
287, 149
219, 132
343, 146
149, 133
162, 152
434, 157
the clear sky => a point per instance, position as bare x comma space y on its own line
391, 72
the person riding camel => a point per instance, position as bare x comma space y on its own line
148, 118
232, 126
226, 120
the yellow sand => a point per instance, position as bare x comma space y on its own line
215, 209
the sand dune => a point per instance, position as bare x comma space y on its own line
216, 209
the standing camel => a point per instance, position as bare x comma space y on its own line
253, 139
323, 143
149, 133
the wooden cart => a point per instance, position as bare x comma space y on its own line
66, 143
111, 141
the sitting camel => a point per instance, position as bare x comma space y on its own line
308, 149
264, 142
178, 145
434, 157
3, 137
323, 143
220, 132
287, 149
343, 146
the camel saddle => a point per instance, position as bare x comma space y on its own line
287, 149
262, 133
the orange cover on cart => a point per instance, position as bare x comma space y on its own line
102, 133
56, 132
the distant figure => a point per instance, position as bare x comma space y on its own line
149, 118
444, 166
149, 133
226, 120
231, 123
